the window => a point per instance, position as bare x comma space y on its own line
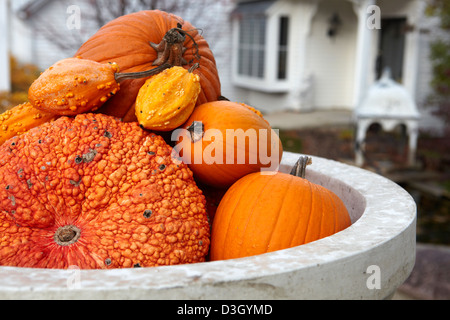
261, 46
252, 34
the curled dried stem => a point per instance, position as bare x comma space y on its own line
299, 169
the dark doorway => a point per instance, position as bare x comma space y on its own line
391, 47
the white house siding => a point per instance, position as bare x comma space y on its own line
321, 69
5, 83
331, 61
32, 36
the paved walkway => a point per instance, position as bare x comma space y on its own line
430, 278
312, 119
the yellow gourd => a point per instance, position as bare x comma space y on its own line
167, 99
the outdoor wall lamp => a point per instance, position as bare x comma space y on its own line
334, 24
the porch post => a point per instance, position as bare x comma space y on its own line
363, 49
5, 77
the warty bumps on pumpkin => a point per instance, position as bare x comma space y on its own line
95, 192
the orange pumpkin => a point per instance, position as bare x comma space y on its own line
223, 141
93, 192
264, 213
146, 39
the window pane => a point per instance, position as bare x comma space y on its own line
283, 47
261, 31
284, 21
261, 60
282, 65
252, 39
241, 61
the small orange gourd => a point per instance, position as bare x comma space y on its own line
74, 85
20, 119
264, 213
167, 100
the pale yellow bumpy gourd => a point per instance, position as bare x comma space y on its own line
167, 99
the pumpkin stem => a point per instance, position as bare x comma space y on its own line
67, 235
299, 169
197, 131
143, 74
194, 67
170, 50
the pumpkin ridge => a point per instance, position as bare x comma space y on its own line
251, 213
309, 212
295, 240
224, 234
277, 220
225, 237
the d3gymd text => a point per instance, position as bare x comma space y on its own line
232, 309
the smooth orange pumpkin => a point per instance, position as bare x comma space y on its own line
223, 141
264, 213
146, 39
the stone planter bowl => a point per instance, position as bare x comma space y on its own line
368, 260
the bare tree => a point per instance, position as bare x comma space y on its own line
96, 13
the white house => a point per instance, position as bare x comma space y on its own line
322, 54
282, 54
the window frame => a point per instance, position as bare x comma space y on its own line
253, 51
270, 81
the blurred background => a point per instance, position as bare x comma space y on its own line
365, 82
